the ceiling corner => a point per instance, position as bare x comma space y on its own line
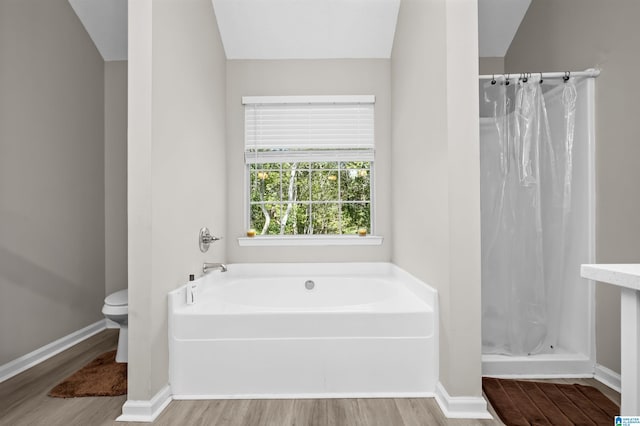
106, 24
498, 23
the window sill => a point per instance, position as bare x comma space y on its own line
315, 240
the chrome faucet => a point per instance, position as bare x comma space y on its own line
206, 267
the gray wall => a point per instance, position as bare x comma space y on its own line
115, 175
436, 169
176, 171
490, 65
51, 176
307, 77
580, 34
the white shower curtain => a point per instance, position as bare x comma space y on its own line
526, 170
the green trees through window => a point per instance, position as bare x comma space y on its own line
308, 198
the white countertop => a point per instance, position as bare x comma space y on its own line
623, 275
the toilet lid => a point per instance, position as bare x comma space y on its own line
119, 298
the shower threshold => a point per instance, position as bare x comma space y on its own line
542, 366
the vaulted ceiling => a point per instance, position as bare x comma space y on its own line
307, 29
498, 22
106, 23
302, 29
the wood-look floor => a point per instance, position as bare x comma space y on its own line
24, 401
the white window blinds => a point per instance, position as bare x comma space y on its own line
309, 128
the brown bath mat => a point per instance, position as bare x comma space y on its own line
101, 377
534, 403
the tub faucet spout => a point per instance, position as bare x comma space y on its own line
206, 267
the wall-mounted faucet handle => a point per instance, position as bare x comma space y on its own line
208, 239
205, 239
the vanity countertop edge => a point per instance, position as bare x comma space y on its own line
624, 274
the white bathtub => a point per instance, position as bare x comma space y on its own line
255, 331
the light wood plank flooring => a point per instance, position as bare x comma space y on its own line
24, 401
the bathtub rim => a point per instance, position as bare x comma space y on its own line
419, 288
417, 299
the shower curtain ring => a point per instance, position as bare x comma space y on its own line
493, 79
525, 78
541, 80
567, 75
506, 76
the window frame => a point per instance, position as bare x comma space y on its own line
310, 239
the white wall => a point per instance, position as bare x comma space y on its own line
176, 168
580, 34
461, 328
51, 176
115, 175
435, 181
307, 77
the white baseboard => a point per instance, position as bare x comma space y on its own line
18, 365
111, 324
608, 377
461, 407
146, 411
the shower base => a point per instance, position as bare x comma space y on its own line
542, 366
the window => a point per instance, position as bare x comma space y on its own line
309, 164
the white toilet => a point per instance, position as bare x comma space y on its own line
116, 309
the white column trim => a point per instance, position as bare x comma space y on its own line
461, 407
146, 410
608, 377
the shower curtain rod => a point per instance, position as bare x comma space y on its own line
590, 73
